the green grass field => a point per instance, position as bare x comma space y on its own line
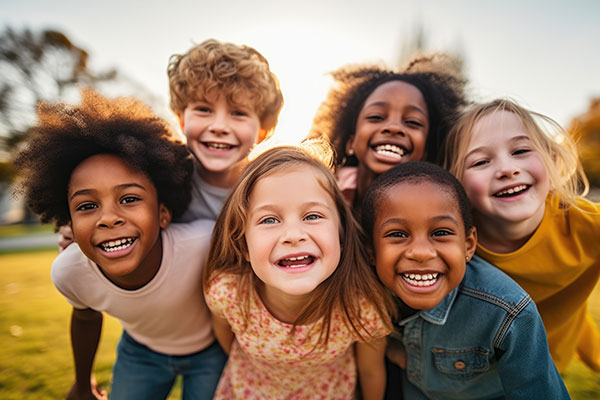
36, 362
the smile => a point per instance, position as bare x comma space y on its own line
421, 279
218, 146
116, 245
390, 150
296, 262
512, 191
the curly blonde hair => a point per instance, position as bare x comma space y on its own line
229, 68
555, 145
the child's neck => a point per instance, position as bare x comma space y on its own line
364, 179
504, 236
222, 179
285, 307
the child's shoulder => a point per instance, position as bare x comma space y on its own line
194, 230
486, 282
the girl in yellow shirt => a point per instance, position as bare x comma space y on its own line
525, 185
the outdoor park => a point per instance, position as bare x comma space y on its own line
50, 62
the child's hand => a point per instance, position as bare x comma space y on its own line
395, 352
94, 394
66, 237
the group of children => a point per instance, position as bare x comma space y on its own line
368, 272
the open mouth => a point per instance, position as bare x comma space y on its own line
218, 146
116, 245
296, 262
390, 150
512, 191
421, 279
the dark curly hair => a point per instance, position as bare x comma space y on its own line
438, 80
66, 135
413, 172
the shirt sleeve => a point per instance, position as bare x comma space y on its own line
525, 367
65, 274
372, 322
220, 293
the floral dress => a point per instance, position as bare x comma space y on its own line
265, 363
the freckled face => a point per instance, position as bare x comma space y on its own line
420, 243
391, 128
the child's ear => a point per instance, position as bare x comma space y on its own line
262, 135
164, 216
471, 243
370, 256
349, 146
180, 120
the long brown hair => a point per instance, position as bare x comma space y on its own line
352, 281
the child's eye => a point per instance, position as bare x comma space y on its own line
442, 232
374, 118
396, 234
129, 199
268, 220
86, 207
521, 151
239, 113
479, 163
313, 217
202, 109
414, 123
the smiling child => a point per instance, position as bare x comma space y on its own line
468, 330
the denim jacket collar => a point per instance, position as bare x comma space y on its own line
438, 314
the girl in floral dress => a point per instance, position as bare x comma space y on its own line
294, 301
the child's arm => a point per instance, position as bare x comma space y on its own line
223, 332
370, 360
86, 326
525, 367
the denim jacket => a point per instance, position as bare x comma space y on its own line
484, 340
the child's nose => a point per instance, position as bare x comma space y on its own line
293, 233
219, 125
420, 250
394, 126
507, 169
109, 218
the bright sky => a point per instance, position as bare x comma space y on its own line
543, 53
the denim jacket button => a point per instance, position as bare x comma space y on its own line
459, 365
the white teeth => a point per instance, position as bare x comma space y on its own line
516, 189
390, 150
219, 146
115, 245
421, 279
297, 258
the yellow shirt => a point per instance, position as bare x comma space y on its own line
559, 267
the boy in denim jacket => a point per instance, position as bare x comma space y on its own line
464, 330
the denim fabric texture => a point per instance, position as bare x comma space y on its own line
143, 374
484, 340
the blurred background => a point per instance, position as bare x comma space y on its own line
543, 53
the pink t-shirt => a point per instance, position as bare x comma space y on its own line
168, 314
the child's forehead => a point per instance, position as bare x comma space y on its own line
233, 96
418, 192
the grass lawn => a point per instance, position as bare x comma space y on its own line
36, 361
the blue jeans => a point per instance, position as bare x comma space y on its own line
143, 374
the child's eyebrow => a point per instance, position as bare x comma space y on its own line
439, 218
384, 103
123, 186
275, 207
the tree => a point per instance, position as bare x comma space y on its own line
586, 128
35, 67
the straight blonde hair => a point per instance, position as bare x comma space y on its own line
553, 143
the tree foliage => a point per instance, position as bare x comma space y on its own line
34, 67
586, 128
